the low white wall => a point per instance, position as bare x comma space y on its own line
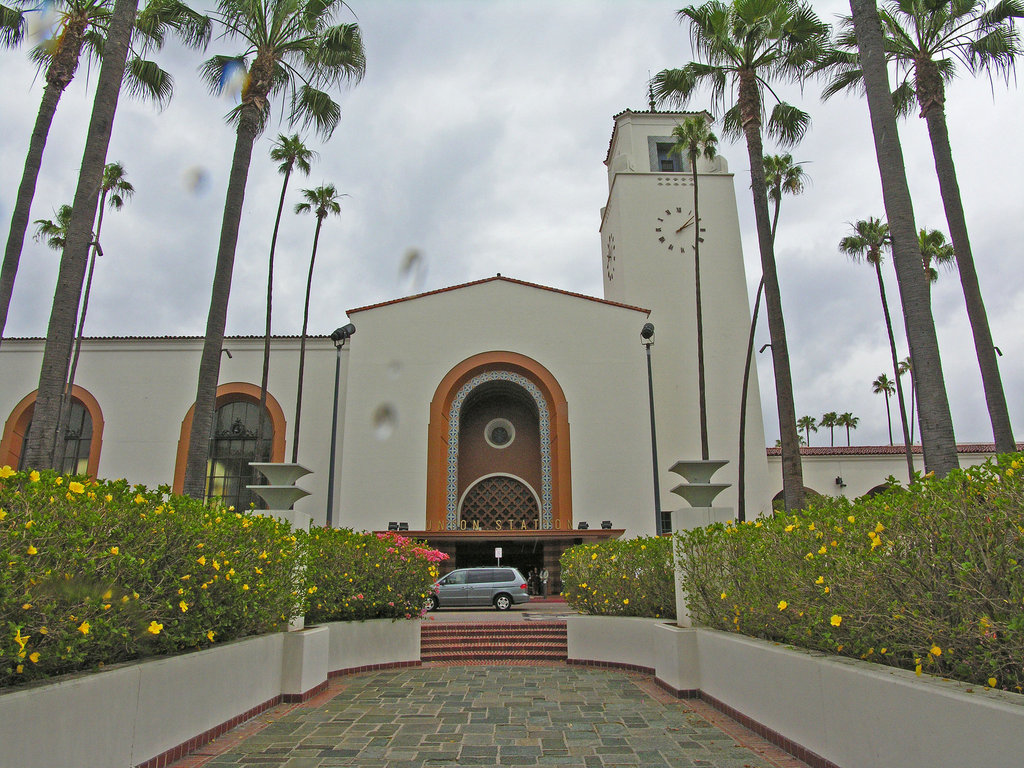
126, 715
355, 644
851, 712
615, 639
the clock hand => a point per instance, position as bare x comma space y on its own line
688, 223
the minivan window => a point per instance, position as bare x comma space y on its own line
503, 574
481, 576
455, 577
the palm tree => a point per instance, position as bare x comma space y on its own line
906, 366
54, 231
849, 421
115, 190
695, 139
82, 28
883, 385
291, 153
830, 420
934, 250
869, 239
926, 41
322, 201
12, 26
748, 42
782, 176
808, 424
290, 47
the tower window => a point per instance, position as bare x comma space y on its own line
662, 161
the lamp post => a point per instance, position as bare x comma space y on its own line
647, 339
339, 337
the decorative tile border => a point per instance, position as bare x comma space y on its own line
454, 421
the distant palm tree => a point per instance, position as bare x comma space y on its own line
54, 231
934, 251
749, 42
936, 421
906, 366
291, 153
322, 202
830, 420
883, 385
782, 176
695, 139
808, 424
81, 28
868, 242
290, 47
926, 41
849, 421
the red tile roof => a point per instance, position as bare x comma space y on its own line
883, 450
500, 277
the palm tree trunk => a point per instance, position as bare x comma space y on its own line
209, 365
701, 391
302, 342
937, 436
896, 375
792, 473
270, 296
23, 203
995, 398
65, 402
741, 504
66, 298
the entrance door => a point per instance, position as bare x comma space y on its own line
521, 555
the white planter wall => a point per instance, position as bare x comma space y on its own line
359, 644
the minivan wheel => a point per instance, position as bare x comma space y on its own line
432, 603
502, 602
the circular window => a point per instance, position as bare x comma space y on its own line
499, 433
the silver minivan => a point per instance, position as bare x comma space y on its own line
501, 587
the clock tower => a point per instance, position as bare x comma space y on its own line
647, 235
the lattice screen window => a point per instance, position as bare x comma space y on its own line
497, 501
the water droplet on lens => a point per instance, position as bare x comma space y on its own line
233, 79
412, 271
42, 23
196, 180
394, 370
384, 421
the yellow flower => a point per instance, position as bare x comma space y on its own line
6, 471
209, 635
76, 487
879, 528
216, 565
263, 555
3, 514
724, 595
820, 580
108, 498
625, 601
58, 481
140, 499
115, 550
108, 594
992, 681
935, 650
183, 605
851, 519
245, 588
594, 556
32, 550
836, 619
34, 657
827, 590
154, 628
20, 668
44, 631
823, 550
789, 528
21, 640
876, 542
84, 627
917, 670
782, 605
810, 527
202, 560
33, 476
26, 606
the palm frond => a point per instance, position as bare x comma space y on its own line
159, 16
732, 123
788, 124
339, 56
146, 80
313, 107
12, 26
904, 99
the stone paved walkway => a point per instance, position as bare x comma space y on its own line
474, 716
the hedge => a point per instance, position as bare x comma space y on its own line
927, 578
620, 578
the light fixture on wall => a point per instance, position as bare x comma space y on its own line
392, 526
583, 525
339, 337
839, 481
606, 525
403, 526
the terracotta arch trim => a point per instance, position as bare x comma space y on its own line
445, 410
227, 393
16, 428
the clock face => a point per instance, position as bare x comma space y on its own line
609, 257
673, 229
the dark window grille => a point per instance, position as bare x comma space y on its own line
233, 445
77, 441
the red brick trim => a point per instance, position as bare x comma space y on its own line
176, 753
679, 693
299, 698
373, 668
798, 751
610, 665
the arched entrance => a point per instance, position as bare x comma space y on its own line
498, 413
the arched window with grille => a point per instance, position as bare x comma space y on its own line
82, 434
235, 443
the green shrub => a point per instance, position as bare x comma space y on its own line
927, 578
356, 576
97, 573
620, 578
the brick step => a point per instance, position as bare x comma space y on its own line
544, 641
483, 634
486, 644
503, 655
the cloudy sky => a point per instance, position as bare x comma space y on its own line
477, 138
